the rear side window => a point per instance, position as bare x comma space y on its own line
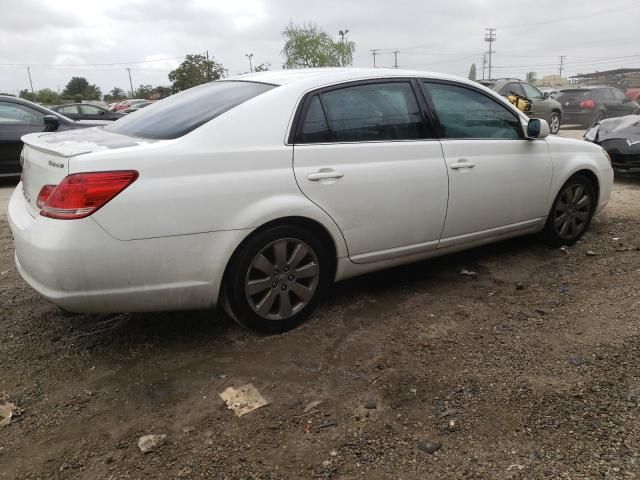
512, 89
618, 94
466, 113
315, 128
16, 114
371, 112
181, 113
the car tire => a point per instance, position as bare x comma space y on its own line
277, 278
571, 212
554, 123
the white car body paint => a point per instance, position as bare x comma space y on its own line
165, 241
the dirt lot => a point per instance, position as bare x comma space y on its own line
531, 370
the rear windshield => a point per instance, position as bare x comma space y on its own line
179, 114
576, 94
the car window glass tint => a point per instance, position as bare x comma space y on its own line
513, 89
381, 111
618, 94
183, 112
466, 113
314, 127
68, 109
531, 92
89, 109
13, 113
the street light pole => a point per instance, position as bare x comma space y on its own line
250, 57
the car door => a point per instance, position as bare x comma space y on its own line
498, 181
362, 153
540, 107
16, 120
621, 105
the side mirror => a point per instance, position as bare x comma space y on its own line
545, 95
537, 129
101, 112
51, 122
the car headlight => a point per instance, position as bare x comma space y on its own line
591, 134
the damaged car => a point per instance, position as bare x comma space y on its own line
620, 137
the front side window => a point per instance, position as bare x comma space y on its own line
373, 112
531, 92
16, 114
466, 113
179, 114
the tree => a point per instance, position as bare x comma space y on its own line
80, 87
48, 96
194, 70
309, 46
472, 72
160, 92
263, 67
144, 91
531, 77
115, 94
27, 95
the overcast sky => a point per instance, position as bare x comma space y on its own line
56, 37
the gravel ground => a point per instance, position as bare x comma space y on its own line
530, 370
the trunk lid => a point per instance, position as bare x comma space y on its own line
570, 99
45, 156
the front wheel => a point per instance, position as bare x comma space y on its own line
571, 212
554, 123
277, 278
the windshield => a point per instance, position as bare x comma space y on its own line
575, 94
179, 114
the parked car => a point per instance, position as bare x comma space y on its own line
85, 111
127, 103
542, 106
19, 117
620, 137
135, 107
201, 199
633, 93
589, 105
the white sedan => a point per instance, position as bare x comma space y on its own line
256, 193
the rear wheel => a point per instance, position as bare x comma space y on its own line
277, 279
554, 123
571, 212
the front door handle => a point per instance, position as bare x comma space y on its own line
314, 177
461, 164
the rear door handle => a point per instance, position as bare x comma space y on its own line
314, 177
461, 164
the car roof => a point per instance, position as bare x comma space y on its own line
323, 76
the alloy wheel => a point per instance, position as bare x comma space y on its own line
282, 279
573, 211
554, 126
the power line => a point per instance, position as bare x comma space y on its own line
87, 64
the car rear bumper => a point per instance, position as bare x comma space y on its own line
578, 118
78, 266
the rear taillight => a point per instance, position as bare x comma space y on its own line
81, 194
45, 193
587, 104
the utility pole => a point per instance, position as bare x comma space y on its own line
484, 64
250, 57
490, 37
562, 59
130, 82
31, 83
374, 52
395, 58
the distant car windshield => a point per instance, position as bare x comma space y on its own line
179, 114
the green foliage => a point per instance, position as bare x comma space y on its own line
472, 72
309, 46
115, 94
160, 92
194, 70
263, 67
48, 96
143, 91
80, 87
27, 95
